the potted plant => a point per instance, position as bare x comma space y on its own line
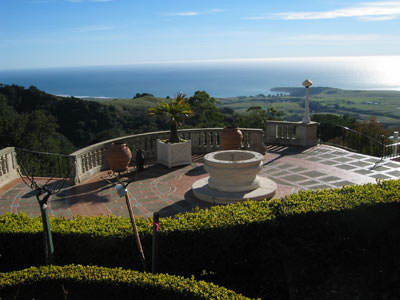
231, 137
173, 151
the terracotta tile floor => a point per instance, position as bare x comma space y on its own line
168, 191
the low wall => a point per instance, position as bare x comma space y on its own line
8, 165
91, 160
291, 133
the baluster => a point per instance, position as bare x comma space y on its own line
244, 137
6, 166
99, 157
214, 138
2, 171
250, 140
14, 160
206, 141
201, 141
96, 158
246, 140
103, 155
91, 160
195, 141
85, 166
82, 163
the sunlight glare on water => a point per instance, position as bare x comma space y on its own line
383, 70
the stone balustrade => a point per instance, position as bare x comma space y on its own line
8, 165
91, 160
391, 151
291, 133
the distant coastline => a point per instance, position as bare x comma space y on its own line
217, 79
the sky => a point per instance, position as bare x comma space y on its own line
70, 33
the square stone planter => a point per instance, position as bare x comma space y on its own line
176, 154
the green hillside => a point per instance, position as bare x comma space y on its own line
384, 105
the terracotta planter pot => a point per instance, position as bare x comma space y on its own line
230, 138
118, 157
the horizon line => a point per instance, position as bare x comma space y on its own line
216, 61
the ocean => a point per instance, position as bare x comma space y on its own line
218, 78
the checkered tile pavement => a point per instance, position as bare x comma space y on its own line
168, 191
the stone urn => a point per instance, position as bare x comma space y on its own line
231, 138
118, 157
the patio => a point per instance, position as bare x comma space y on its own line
168, 191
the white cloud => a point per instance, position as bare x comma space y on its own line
195, 13
338, 37
184, 13
368, 11
216, 10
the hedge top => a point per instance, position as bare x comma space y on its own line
218, 217
117, 277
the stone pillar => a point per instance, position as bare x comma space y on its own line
270, 133
8, 165
75, 170
306, 134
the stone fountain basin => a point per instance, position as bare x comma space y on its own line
233, 178
233, 170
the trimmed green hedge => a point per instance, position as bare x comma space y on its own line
220, 217
105, 283
250, 247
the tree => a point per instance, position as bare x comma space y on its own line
331, 125
256, 116
11, 125
205, 111
140, 95
175, 110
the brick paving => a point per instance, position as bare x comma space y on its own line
168, 191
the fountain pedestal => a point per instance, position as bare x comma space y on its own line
233, 177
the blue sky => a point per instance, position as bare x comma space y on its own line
63, 33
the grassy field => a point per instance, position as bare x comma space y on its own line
384, 105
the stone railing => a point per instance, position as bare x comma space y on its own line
91, 160
8, 165
291, 133
391, 151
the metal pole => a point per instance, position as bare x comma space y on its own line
138, 243
154, 252
383, 146
47, 236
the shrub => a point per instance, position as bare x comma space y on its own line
92, 282
251, 247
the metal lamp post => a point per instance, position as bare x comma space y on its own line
306, 119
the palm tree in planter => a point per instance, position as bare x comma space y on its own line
173, 152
